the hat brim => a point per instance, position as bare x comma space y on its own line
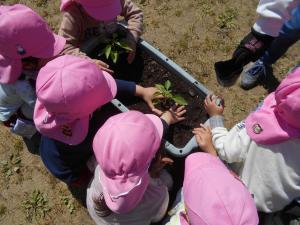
10, 69
273, 129
114, 187
112, 86
157, 123
50, 126
51, 49
104, 13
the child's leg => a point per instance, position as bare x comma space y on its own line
289, 34
261, 69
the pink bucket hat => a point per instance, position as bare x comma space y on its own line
124, 148
212, 195
69, 89
103, 10
278, 118
24, 33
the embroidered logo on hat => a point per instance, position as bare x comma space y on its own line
257, 128
66, 130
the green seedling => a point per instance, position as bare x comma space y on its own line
10, 166
115, 46
165, 96
69, 203
35, 205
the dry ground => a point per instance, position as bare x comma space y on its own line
195, 34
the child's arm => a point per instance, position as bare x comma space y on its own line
72, 28
232, 146
134, 17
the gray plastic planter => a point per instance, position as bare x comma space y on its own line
182, 74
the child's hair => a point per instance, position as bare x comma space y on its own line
100, 206
30, 60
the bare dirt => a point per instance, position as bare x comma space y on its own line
194, 34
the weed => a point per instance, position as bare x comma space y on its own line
208, 9
3, 210
18, 145
226, 20
168, 98
178, 12
10, 166
69, 203
40, 3
35, 205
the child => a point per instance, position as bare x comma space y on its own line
265, 147
260, 70
128, 186
23, 32
211, 195
83, 20
69, 91
272, 15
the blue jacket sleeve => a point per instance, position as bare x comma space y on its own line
126, 89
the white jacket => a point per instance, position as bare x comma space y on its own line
152, 207
272, 15
271, 172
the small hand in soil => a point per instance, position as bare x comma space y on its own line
204, 139
212, 107
174, 115
103, 66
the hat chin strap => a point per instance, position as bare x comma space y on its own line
127, 192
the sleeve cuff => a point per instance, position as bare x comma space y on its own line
216, 121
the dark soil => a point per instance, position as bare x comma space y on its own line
181, 133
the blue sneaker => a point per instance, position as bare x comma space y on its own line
252, 75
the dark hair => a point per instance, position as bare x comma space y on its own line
100, 206
30, 59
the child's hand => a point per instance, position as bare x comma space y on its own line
131, 54
174, 114
212, 108
158, 165
103, 66
147, 95
204, 139
131, 41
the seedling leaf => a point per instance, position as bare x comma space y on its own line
160, 87
107, 51
167, 85
180, 100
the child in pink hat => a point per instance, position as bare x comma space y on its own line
70, 91
212, 195
84, 20
25, 39
129, 185
264, 149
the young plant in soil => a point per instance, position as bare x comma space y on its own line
69, 203
164, 97
114, 47
36, 205
11, 166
